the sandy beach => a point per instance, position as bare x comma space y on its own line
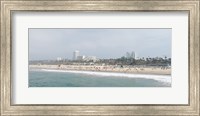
108, 68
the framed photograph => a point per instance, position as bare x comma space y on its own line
106, 58
100, 57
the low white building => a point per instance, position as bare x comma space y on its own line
59, 59
89, 58
80, 58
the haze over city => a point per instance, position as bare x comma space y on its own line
46, 44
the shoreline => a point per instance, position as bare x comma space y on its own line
160, 78
109, 68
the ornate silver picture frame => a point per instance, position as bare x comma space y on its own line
8, 6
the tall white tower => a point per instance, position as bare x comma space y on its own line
75, 55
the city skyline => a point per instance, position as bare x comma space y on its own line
77, 56
48, 44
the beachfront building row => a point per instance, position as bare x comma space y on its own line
78, 57
87, 58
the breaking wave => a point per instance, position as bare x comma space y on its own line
161, 78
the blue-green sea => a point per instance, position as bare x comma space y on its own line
56, 78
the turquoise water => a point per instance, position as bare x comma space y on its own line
39, 78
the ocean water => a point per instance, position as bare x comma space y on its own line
60, 78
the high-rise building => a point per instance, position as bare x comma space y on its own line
130, 55
75, 55
127, 55
133, 54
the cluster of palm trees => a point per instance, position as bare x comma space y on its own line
157, 61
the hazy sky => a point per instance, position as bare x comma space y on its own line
47, 44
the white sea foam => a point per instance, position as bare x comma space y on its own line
161, 78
